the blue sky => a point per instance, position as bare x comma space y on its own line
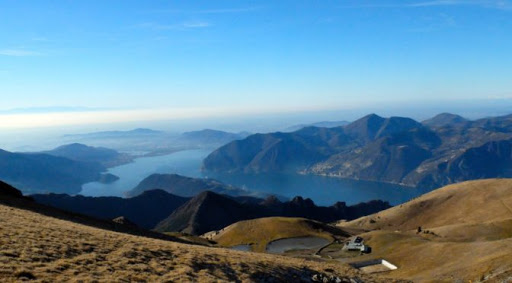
150, 59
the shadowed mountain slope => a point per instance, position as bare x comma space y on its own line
8, 190
145, 210
205, 212
210, 211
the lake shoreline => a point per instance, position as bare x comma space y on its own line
323, 190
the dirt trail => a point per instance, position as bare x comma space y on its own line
507, 207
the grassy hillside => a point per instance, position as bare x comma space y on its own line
259, 232
463, 203
466, 233
36, 246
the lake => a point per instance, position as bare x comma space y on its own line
322, 190
186, 163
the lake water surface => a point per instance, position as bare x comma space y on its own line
322, 190
186, 163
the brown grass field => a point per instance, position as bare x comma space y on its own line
466, 237
469, 234
53, 249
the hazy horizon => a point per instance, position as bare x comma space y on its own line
48, 137
130, 62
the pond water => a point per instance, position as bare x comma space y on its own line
322, 190
244, 248
299, 243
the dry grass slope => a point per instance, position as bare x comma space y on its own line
463, 203
469, 234
48, 249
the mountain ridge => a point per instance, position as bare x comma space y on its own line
210, 211
81, 152
394, 150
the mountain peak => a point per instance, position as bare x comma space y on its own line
372, 116
73, 145
271, 200
203, 213
369, 119
373, 126
300, 201
445, 119
208, 194
365, 125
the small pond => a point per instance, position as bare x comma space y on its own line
299, 243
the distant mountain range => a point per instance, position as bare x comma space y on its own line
61, 170
209, 137
323, 124
66, 168
39, 173
137, 142
439, 151
117, 134
147, 142
80, 152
